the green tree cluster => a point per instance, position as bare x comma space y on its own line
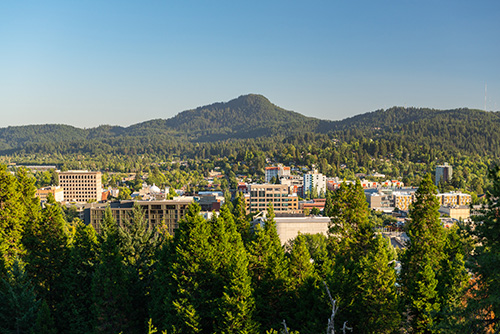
224, 275
433, 275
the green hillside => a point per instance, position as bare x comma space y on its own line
252, 117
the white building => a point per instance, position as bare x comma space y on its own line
314, 181
277, 172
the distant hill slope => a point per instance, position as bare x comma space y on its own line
247, 116
16, 136
458, 130
399, 116
254, 116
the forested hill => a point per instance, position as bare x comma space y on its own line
248, 116
457, 130
254, 116
399, 117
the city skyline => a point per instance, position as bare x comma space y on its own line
125, 62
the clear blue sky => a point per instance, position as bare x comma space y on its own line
87, 63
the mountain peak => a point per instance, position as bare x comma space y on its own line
252, 99
246, 116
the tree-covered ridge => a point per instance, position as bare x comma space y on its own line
464, 130
16, 136
244, 117
402, 116
397, 142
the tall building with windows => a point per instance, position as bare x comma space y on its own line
81, 185
444, 173
314, 182
277, 194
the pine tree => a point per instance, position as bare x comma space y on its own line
12, 218
27, 190
453, 279
164, 257
269, 270
240, 218
182, 306
300, 265
75, 314
44, 323
209, 287
227, 199
328, 210
111, 302
46, 243
348, 210
306, 308
236, 304
422, 261
483, 306
137, 244
363, 276
18, 304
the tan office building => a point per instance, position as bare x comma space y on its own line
277, 194
167, 212
81, 186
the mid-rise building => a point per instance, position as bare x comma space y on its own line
380, 200
277, 194
314, 184
165, 212
403, 200
210, 201
443, 173
454, 198
277, 172
81, 185
56, 191
294, 182
387, 199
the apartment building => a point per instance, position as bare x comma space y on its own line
314, 182
81, 185
403, 200
444, 173
454, 199
277, 172
277, 194
167, 212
